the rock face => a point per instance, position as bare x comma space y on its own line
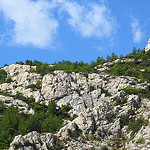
148, 46
34, 140
97, 99
19, 104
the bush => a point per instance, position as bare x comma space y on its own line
8, 80
136, 125
131, 112
9, 126
105, 91
20, 96
39, 108
2, 107
45, 119
34, 123
141, 140
52, 124
133, 124
142, 92
3, 76
124, 120
104, 148
35, 87
16, 73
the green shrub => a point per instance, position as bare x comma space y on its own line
16, 73
34, 123
141, 140
45, 119
35, 87
20, 62
142, 92
91, 148
8, 80
3, 76
64, 110
52, 124
74, 117
104, 148
20, 96
136, 125
92, 137
9, 126
2, 107
133, 124
105, 91
131, 112
124, 120
39, 108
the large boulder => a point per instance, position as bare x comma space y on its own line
34, 140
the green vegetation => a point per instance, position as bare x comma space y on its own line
111, 58
3, 76
16, 73
141, 92
2, 107
46, 119
20, 96
105, 91
67, 66
139, 67
133, 124
136, 124
35, 87
104, 148
141, 140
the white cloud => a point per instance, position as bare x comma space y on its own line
32, 22
136, 30
90, 20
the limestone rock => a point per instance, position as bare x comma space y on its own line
19, 104
11, 69
116, 99
148, 46
34, 140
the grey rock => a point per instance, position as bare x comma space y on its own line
34, 140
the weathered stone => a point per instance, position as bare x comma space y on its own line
148, 46
34, 140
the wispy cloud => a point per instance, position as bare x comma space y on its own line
136, 30
34, 22
31, 20
91, 19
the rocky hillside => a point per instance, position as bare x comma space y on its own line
106, 112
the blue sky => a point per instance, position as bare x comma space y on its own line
75, 30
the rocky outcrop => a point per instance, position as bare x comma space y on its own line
97, 99
98, 127
148, 46
34, 140
17, 68
19, 104
80, 91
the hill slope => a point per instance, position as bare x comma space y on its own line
104, 105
